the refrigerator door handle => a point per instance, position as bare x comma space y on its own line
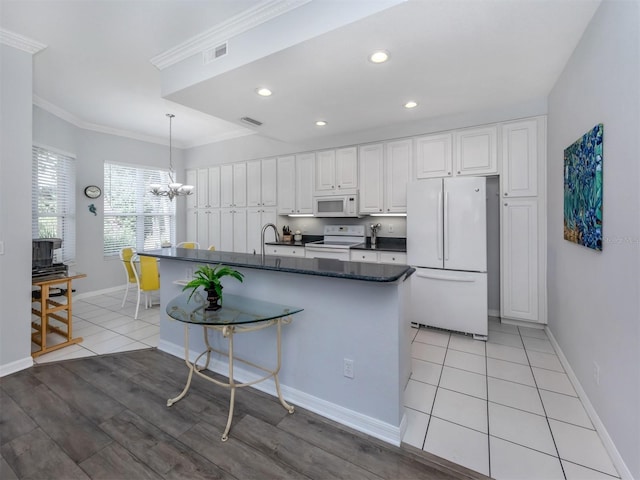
439, 233
450, 278
446, 226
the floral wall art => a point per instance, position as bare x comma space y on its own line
583, 190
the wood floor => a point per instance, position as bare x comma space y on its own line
106, 418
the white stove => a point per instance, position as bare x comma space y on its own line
337, 241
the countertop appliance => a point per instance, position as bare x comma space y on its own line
337, 241
447, 244
343, 205
42, 258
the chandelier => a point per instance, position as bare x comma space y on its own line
173, 189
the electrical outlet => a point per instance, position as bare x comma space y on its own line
348, 368
596, 373
391, 228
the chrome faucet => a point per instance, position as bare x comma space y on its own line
264, 229
374, 233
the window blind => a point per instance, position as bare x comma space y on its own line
133, 217
53, 198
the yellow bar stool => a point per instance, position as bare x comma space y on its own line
125, 255
148, 278
188, 245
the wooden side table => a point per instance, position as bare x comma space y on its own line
50, 311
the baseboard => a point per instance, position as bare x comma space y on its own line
618, 462
94, 293
362, 423
16, 366
523, 323
493, 313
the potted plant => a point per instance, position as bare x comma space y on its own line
209, 278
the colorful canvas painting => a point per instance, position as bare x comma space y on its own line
583, 190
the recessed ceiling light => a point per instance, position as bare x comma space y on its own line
321, 123
411, 104
263, 92
380, 56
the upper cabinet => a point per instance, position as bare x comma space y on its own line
233, 185
336, 170
208, 187
520, 159
261, 183
476, 151
192, 179
434, 157
295, 184
385, 170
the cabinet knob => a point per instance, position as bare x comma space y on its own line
379, 209
448, 173
388, 209
458, 171
332, 186
506, 204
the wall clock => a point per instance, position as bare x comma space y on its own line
92, 191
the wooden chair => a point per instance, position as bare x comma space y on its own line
125, 256
148, 278
188, 245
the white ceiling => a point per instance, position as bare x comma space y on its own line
451, 56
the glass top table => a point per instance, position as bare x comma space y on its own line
237, 314
236, 310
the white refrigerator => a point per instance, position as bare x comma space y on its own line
447, 245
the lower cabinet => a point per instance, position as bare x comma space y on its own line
378, 256
520, 292
256, 219
284, 250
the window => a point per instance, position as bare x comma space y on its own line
133, 217
53, 200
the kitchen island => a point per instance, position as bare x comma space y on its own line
353, 324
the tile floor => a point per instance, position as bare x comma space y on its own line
504, 407
106, 327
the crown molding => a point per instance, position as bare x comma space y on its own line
240, 23
78, 122
20, 42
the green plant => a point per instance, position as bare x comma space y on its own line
209, 278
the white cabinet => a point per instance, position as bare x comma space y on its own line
377, 256
519, 292
257, 217
336, 170
284, 251
208, 187
208, 229
192, 179
385, 170
476, 151
371, 158
233, 230
434, 156
519, 176
295, 183
233, 185
261, 183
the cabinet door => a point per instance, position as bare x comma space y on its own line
519, 259
268, 183
214, 230
240, 230
363, 256
520, 159
192, 223
226, 230
202, 236
254, 230
393, 257
214, 187
325, 171
226, 186
371, 178
254, 192
347, 168
202, 188
398, 171
192, 179
433, 156
304, 183
476, 151
240, 184
286, 184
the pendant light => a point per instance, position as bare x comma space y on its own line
173, 189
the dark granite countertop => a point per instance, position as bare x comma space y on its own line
390, 244
325, 267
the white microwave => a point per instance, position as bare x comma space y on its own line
345, 205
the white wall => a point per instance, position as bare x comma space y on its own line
594, 306
15, 209
92, 149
